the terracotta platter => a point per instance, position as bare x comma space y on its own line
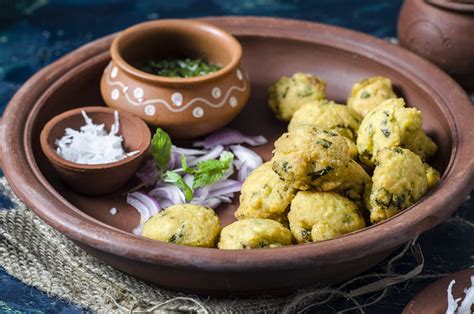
271, 48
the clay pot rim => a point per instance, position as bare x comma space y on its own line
64, 163
234, 49
429, 211
452, 5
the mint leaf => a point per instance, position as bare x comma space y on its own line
184, 165
365, 94
161, 149
210, 171
176, 179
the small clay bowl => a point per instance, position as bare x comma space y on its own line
184, 107
102, 178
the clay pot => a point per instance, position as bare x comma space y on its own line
184, 107
442, 32
102, 178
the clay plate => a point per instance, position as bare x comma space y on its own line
434, 299
339, 56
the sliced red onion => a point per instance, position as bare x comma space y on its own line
213, 154
225, 199
202, 191
143, 210
229, 172
188, 151
251, 158
200, 195
175, 160
147, 207
148, 172
149, 201
214, 195
189, 179
138, 229
212, 202
222, 184
237, 163
169, 192
230, 137
165, 203
244, 172
225, 187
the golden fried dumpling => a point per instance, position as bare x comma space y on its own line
369, 93
288, 94
184, 224
432, 175
254, 233
327, 115
399, 181
307, 154
392, 125
318, 216
265, 195
351, 181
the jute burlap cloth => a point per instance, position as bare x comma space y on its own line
38, 255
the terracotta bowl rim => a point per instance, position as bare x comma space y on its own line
432, 209
234, 48
64, 163
453, 6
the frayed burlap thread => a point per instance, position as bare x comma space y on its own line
40, 256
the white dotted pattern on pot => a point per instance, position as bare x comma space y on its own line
138, 93
150, 110
198, 112
115, 94
177, 103
216, 92
233, 102
114, 72
239, 75
177, 99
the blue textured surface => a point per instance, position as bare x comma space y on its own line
34, 33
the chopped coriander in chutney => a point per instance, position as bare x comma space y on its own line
179, 67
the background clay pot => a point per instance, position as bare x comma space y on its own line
184, 107
442, 32
102, 178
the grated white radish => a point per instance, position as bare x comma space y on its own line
92, 145
466, 304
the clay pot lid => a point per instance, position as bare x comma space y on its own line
434, 298
454, 5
